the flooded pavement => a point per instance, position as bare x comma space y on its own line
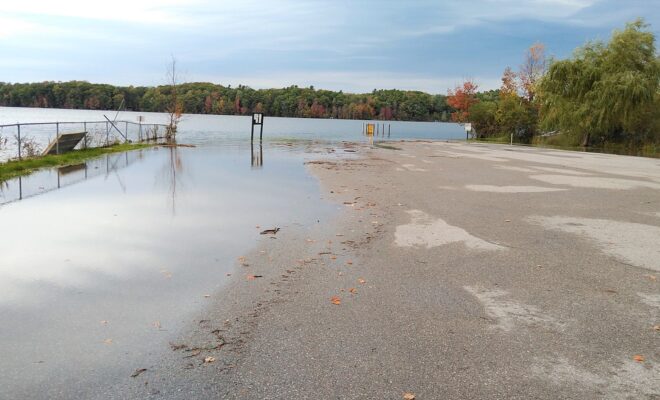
102, 264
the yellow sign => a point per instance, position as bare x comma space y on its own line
370, 129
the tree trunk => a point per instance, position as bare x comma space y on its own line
585, 140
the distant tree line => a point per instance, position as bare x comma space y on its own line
209, 98
605, 93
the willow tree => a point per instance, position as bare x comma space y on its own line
604, 90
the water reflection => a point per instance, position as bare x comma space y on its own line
257, 156
141, 246
44, 181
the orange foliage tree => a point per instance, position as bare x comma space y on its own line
462, 98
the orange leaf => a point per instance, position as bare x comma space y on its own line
335, 300
361, 281
408, 396
657, 328
349, 262
352, 290
638, 358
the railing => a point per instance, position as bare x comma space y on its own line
30, 139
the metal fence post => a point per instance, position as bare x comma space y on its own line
126, 132
20, 157
57, 137
107, 134
85, 137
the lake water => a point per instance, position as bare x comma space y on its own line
201, 129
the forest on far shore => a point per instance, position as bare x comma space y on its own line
209, 98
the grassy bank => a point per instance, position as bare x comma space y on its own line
16, 168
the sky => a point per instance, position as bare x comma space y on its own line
355, 46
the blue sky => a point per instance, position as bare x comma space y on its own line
355, 45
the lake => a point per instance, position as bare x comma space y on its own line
199, 129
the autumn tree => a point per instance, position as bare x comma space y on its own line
509, 85
462, 98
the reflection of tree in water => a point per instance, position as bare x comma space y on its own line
172, 173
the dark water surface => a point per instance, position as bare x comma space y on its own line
97, 276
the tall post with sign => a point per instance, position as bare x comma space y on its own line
257, 119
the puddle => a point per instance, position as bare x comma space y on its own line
98, 275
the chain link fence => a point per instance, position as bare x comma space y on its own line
19, 141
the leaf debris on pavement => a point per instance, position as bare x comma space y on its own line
335, 300
138, 372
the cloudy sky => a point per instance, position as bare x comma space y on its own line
354, 45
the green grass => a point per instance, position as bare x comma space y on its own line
12, 169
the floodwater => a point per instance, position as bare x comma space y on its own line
102, 264
209, 128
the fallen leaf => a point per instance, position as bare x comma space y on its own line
349, 262
157, 324
104, 322
335, 300
253, 277
657, 328
651, 277
209, 359
333, 257
138, 372
408, 396
638, 358
228, 274
361, 281
207, 295
352, 290
107, 341
507, 220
